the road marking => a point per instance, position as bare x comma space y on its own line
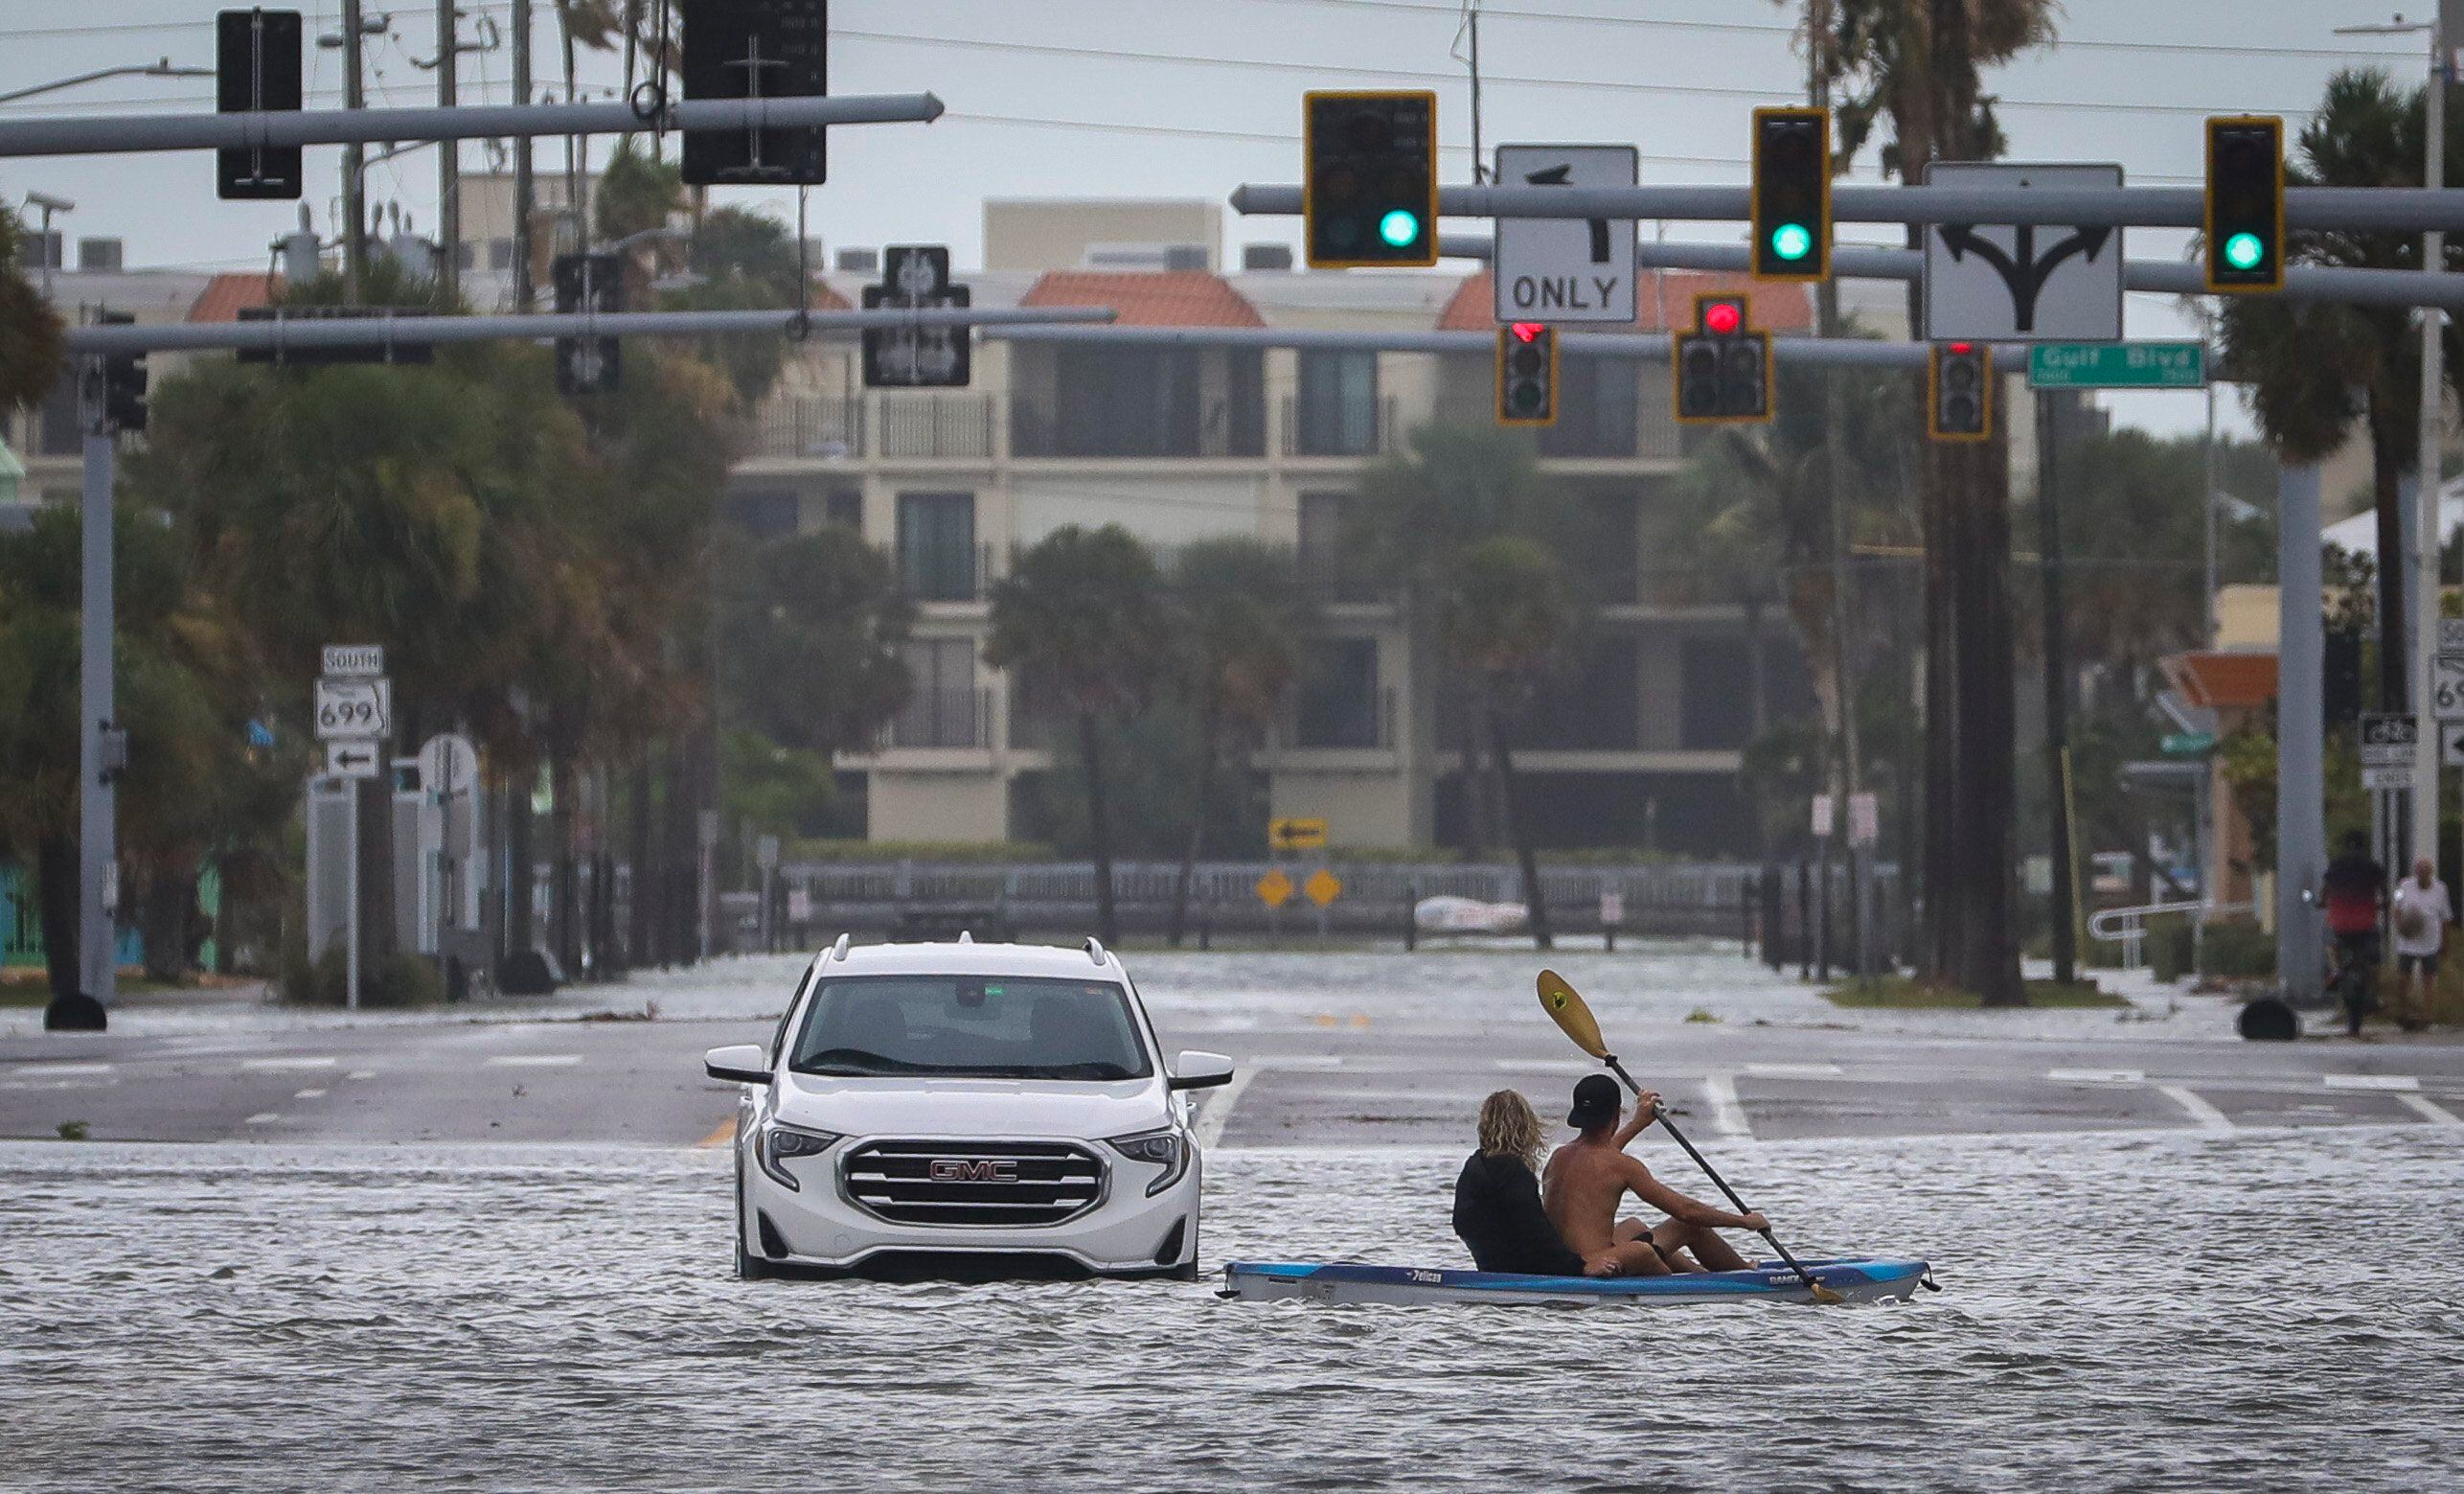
361, 1074
1728, 1113
2371, 1081
1795, 1070
263, 1117
2208, 1117
59, 1070
1211, 1120
1298, 1061
309, 1095
535, 1060
2097, 1075
278, 1064
726, 1134
1545, 1066
2435, 1113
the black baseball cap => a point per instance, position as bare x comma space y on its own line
1596, 1099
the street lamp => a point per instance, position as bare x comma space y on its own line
161, 67
45, 203
2426, 604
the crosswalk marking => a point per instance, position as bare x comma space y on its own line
263, 1117
1795, 1070
1727, 1114
279, 1065
309, 1095
1217, 1113
2097, 1075
2371, 1081
2430, 1110
535, 1060
59, 1070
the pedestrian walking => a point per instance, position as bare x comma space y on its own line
2421, 914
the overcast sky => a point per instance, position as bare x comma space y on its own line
1190, 98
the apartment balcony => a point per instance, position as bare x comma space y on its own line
1360, 429
1216, 430
808, 428
945, 718
948, 573
1362, 724
951, 426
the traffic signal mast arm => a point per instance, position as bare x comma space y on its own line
2369, 209
360, 127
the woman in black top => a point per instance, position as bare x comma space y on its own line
1496, 1199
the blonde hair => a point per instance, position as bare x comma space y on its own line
1509, 1128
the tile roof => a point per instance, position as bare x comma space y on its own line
1150, 298
1667, 296
225, 295
2224, 680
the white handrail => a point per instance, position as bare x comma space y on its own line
2128, 926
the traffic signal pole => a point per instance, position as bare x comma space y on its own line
98, 852
2429, 595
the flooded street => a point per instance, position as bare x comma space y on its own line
2133, 1310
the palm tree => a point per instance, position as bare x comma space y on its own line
1083, 614
1238, 614
1432, 523
31, 349
2312, 367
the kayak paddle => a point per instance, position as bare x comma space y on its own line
1566, 1007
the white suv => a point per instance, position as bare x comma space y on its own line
1003, 1102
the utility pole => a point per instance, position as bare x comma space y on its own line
354, 162
524, 188
448, 158
2057, 697
2427, 593
98, 823
1835, 420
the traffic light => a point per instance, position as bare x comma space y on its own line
1369, 193
2245, 218
1792, 194
1959, 392
1721, 370
588, 282
124, 381
256, 70
756, 49
1526, 374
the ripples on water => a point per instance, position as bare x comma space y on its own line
2120, 1312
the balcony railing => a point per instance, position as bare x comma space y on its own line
809, 426
1036, 431
1330, 574
945, 716
948, 573
950, 425
1332, 430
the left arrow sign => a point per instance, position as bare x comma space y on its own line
350, 759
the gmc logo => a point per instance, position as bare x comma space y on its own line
951, 1169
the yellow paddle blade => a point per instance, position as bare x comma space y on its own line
1565, 1007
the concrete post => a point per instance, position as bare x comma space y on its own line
2301, 796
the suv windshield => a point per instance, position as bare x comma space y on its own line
988, 1028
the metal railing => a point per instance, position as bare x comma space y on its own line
2128, 927
949, 716
947, 573
809, 426
948, 425
1035, 431
1371, 729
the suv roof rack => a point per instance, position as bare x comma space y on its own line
965, 938
838, 950
1095, 950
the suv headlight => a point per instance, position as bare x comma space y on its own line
780, 1142
1164, 1148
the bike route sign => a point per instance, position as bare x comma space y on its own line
2023, 283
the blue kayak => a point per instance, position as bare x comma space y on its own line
1860, 1280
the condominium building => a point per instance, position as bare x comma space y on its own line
1640, 746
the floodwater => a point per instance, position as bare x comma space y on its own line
2252, 1311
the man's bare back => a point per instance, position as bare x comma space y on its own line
1588, 1179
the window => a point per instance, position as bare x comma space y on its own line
1714, 710
1329, 561
1596, 705
937, 545
1599, 403
1338, 696
844, 506
764, 515
977, 1025
942, 707
1151, 401
1337, 414
500, 254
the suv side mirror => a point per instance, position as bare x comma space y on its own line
737, 1063
1196, 1071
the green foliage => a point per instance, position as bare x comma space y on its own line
1083, 612
636, 192
1146, 770
809, 627
31, 346
781, 791
398, 980
745, 262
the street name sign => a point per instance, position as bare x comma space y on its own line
2117, 365
355, 708
355, 758
1566, 269
2023, 283
355, 658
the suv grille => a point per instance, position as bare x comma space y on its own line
972, 1183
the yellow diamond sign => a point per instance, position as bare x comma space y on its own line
1323, 886
1275, 889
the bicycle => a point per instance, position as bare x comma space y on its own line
2353, 977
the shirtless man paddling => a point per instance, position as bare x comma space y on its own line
1589, 1175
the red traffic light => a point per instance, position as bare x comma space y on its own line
1963, 348
1529, 331
1722, 317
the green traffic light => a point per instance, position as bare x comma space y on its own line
1399, 227
2244, 251
1792, 242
